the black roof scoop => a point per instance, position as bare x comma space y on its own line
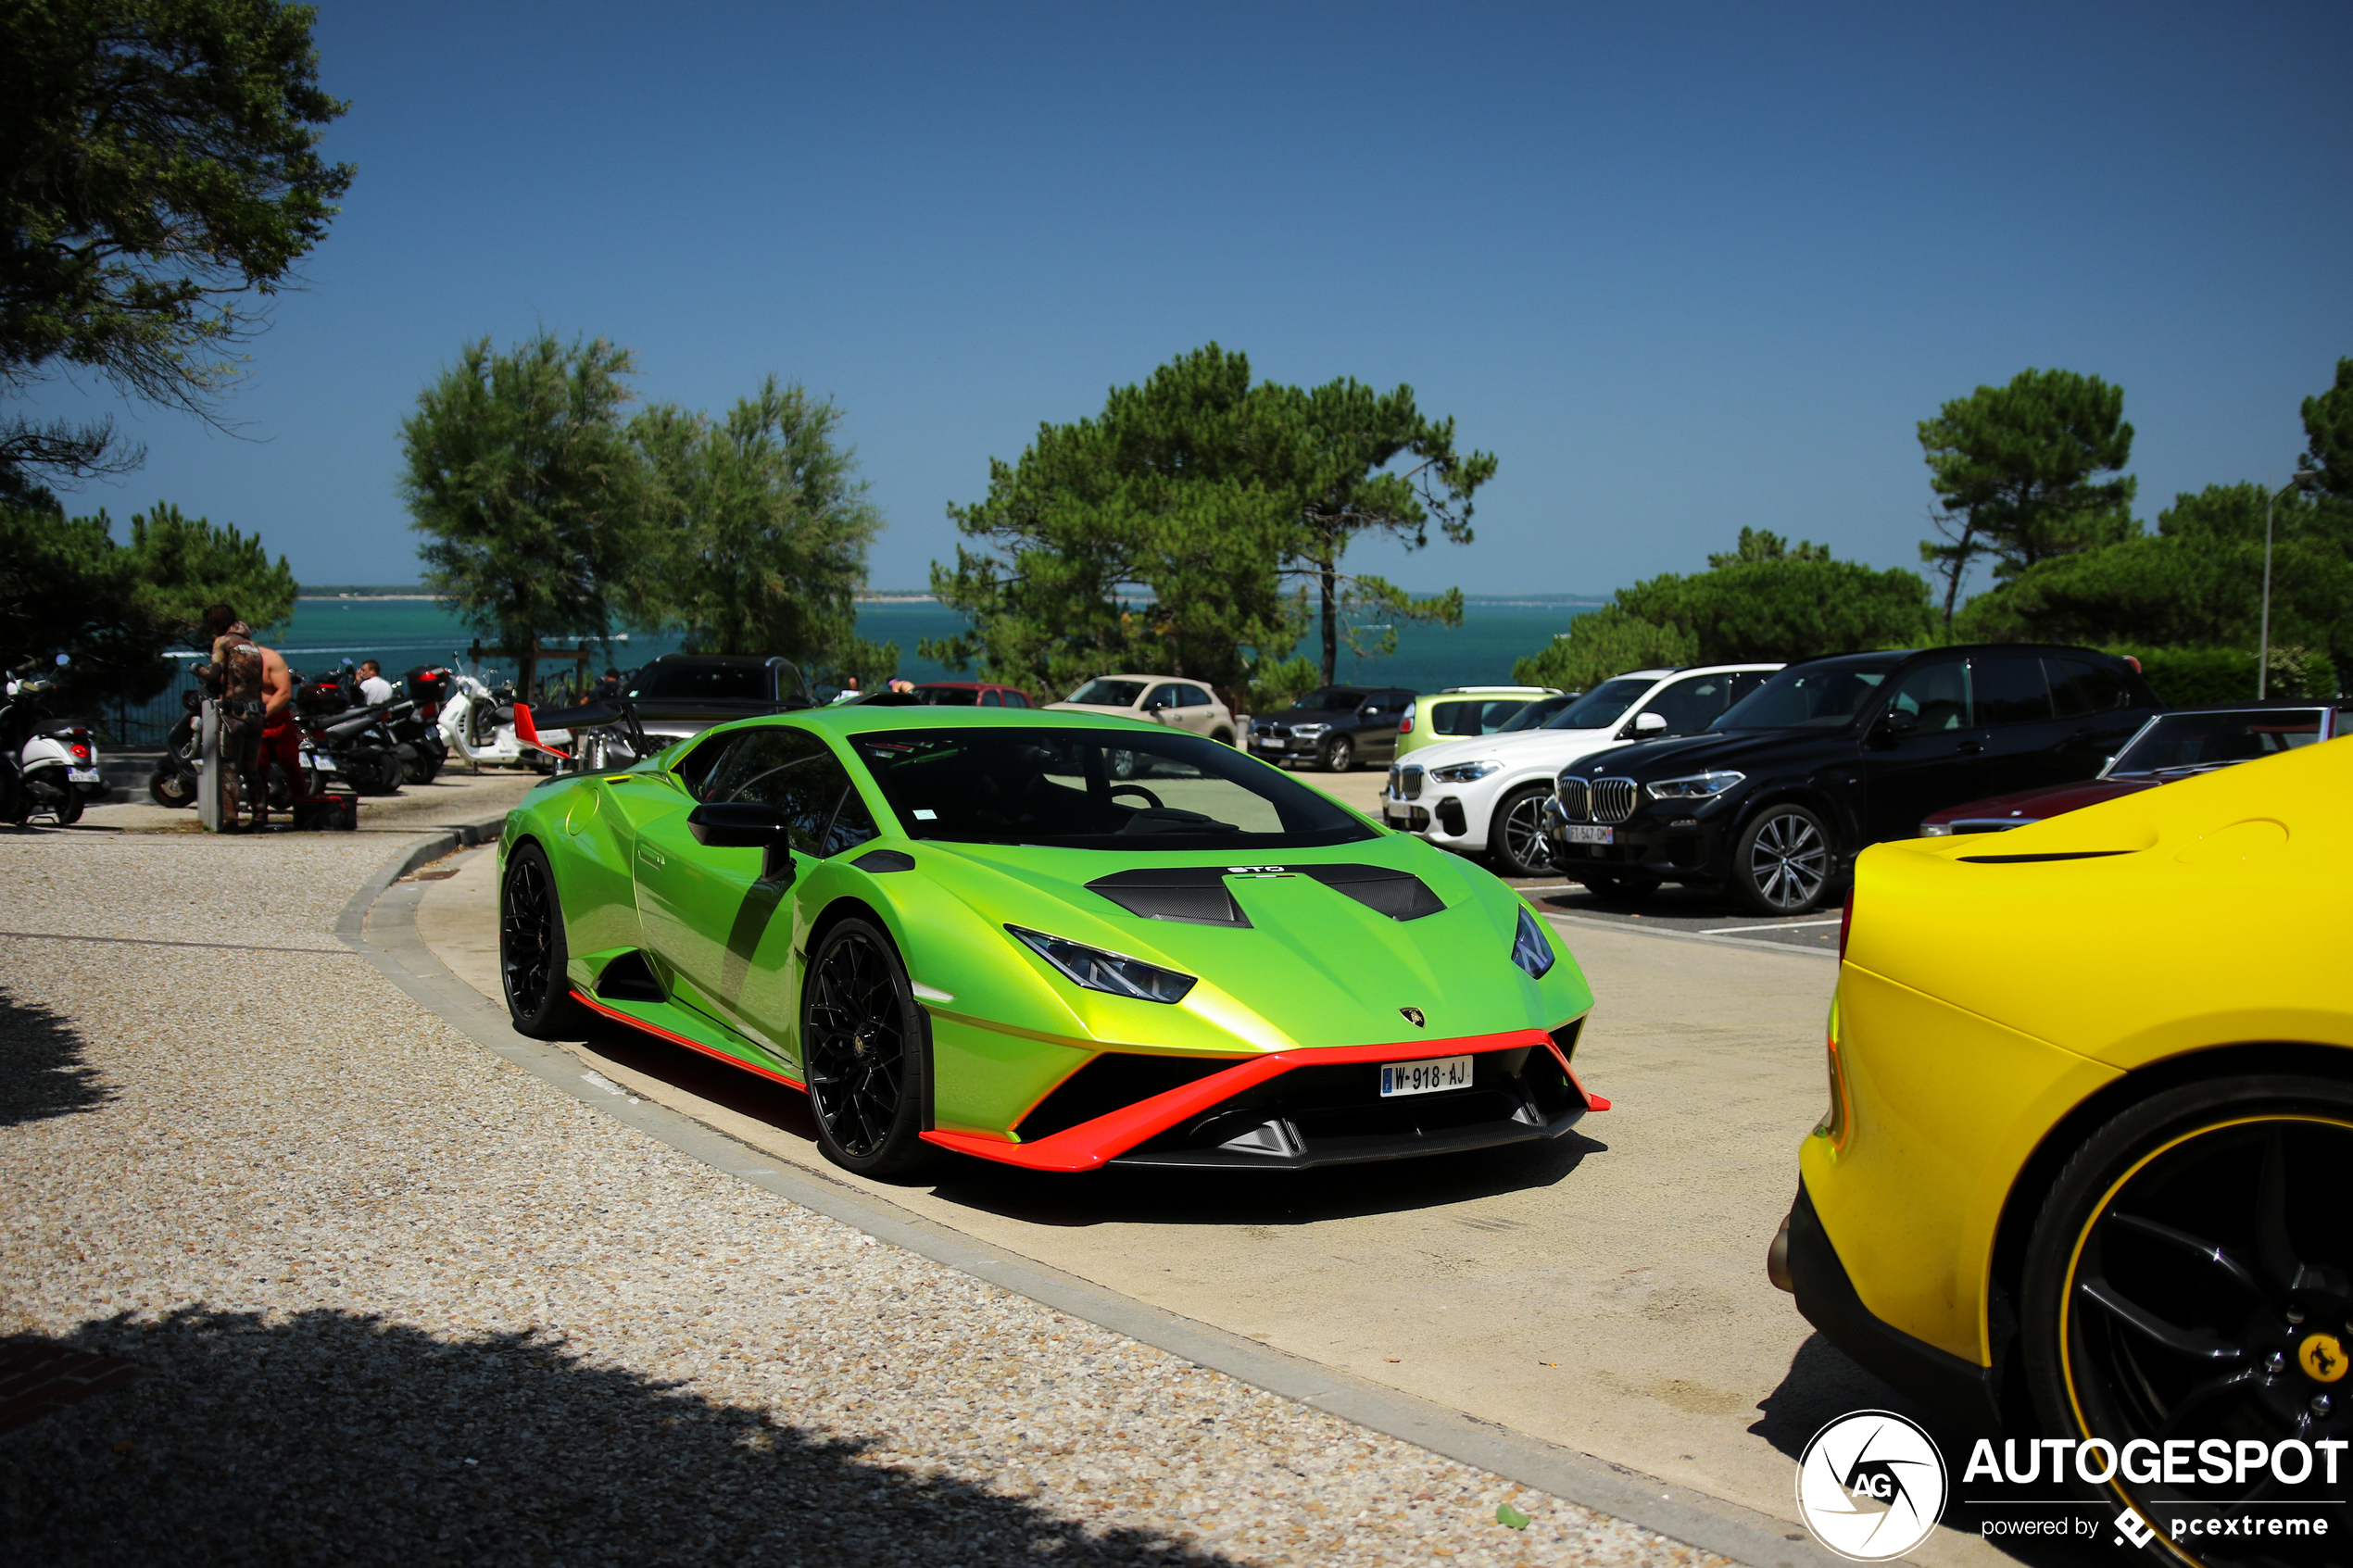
1188, 895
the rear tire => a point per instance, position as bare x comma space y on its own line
1515, 840
532, 952
1783, 863
865, 1051
2209, 1211
71, 813
169, 788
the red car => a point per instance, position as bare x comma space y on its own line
2173, 746
972, 694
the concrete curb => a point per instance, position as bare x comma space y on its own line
389, 940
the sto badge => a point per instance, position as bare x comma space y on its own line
2322, 1358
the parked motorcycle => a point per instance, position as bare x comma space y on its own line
353, 741
175, 779
49, 766
478, 722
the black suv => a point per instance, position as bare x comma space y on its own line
1336, 727
1774, 799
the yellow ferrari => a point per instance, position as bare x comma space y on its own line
2087, 1171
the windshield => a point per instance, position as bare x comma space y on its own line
1824, 695
2214, 740
1603, 705
715, 682
1532, 717
1108, 694
1096, 789
1331, 699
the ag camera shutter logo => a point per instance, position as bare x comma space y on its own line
1870, 1485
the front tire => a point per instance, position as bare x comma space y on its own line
533, 953
866, 1053
1515, 841
169, 788
1783, 861
1340, 755
2188, 1276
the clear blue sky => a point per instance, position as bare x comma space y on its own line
1682, 268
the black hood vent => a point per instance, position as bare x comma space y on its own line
1398, 894
1189, 895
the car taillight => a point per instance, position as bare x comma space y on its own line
1405, 725
1845, 926
1835, 1124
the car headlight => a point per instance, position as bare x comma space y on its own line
1308, 731
1531, 947
1464, 773
1936, 830
1098, 970
1694, 786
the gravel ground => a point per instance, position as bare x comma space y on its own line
394, 1300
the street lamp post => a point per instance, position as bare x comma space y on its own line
2263, 646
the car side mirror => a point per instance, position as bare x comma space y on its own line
1895, 725
1153, 704
746, 824
1649, 724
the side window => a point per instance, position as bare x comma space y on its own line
852, 824
2009, 690
1014, 699
1494, 714
1164, 696
1937, 694
1453, 719
1196, 698
696, 768
2080, 687
790, 770
1748, 680
1691, 704
991, 699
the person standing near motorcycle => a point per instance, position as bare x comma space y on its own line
375, 690
257, 718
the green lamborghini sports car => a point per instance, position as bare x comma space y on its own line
1054, 940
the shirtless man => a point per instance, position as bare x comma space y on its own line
257, 720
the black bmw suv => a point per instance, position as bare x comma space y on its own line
1773, 801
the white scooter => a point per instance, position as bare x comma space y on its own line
481, 729
55, 766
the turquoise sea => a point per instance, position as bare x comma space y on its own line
402, 633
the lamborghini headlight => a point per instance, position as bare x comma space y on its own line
1464, 773
1098, 970
1533, 947
1694, 786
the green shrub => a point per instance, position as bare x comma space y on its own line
2192, 677
1601, 643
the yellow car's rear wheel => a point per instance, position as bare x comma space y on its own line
2191, 1276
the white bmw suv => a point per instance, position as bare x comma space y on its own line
1486, 793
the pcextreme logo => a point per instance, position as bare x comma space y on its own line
1870, 1485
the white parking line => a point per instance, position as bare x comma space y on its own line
1785, 925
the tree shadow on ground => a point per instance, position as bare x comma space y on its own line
1824, 1383
335, 1438
42, 1072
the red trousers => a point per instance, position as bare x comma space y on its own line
281, 744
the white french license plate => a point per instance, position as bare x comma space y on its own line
1267, 743
1580, 834
1424, 1077
82, 775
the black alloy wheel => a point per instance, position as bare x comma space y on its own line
866, 1051
1516, 843
2191, 1276
1340, 755
1783, 862
1122, 764
1621, 887
532, 952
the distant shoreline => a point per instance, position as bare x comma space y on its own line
417, 595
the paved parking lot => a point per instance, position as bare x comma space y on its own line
1606, 1292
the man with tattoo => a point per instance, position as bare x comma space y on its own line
257, 718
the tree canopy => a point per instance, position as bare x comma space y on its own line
66, 586
160, 179
2018, 470
1160, 534
529, 494
1601, 643
761, 531
2326, 467
1764, 601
